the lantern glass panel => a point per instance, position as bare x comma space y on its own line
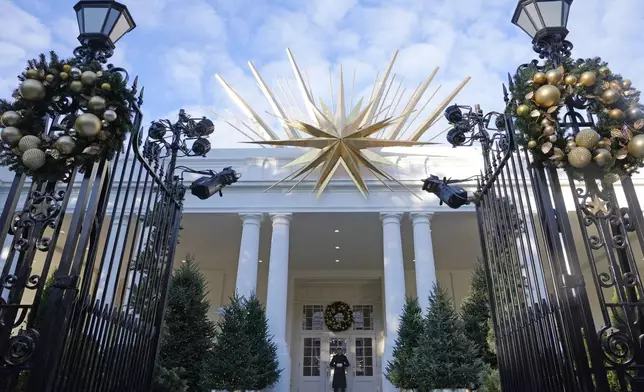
526, 24
552, 13
121, 27
93, 19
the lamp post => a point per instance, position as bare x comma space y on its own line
188, 137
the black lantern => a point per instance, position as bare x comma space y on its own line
102, 22
542, 18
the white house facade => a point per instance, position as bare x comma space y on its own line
300, 252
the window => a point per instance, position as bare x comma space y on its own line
313, 317
311, 357
364, 357
363, 317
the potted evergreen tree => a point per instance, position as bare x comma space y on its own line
445, 359
399, 371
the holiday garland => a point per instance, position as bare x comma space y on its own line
332, 322
614, 147
89, 106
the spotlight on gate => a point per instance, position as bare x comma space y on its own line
453, 114
207, 186
452, 195
204, 127
157, 131
201, 147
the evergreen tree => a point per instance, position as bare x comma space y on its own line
445, 358
399, 371
168, 380
262, 368
188, 333
232, 349
475, 313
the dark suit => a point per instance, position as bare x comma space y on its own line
339, 363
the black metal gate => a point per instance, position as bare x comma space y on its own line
106, 238
564, 286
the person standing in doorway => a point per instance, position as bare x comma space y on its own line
339, 363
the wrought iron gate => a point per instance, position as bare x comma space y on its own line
105, 238
565, 287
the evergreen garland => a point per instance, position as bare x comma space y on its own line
188, 334
445, 358
618, 123
399, 371
64, 97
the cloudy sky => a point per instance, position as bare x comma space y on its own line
179, 46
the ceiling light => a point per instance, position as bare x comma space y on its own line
183, 261
337, 231
260, 261
414, 260
337, 247
337, 261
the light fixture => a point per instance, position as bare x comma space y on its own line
207, 186
337, 247
183, 261
337, 261
542, 18
260, 261
337, 231
102, 23
414, 260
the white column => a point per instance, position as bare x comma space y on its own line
248, 255
115, 247
424, 256
394, 285
277, 295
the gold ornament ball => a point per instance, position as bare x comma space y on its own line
532, 144
571, 144
88, 125
554, 76
588, 78
610, 96
616, 114
587, 138
579, 157
32, 73
63, 75
602, 156
552, 138
106, 86
636, 146
65, 144
11, 136
615, 85
28, 142
549, 130
33, 158
11, 118
547, 96
110, 115
570, 80
604, 71
88, 78
97, 104
49, 78
546, 122
626, 83
67, 68
523, 110
634, 114
539, 78
76, 86
32, 90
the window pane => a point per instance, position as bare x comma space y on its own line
363, 317
364, 357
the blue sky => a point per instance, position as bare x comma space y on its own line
179, 45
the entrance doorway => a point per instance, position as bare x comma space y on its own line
316, 374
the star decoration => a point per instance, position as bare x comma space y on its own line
335, 138
40, 210
597, 205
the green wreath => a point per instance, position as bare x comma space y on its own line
65, 114
331, 320
614, 148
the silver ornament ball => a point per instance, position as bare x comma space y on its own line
65, 144
96, 103
11, 118
32, 90
110, 116
88, 125
29, 142
34, 158
75, 73
11, 136
88, 78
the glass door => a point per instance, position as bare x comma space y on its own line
336, 344
363, 366
311, 366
